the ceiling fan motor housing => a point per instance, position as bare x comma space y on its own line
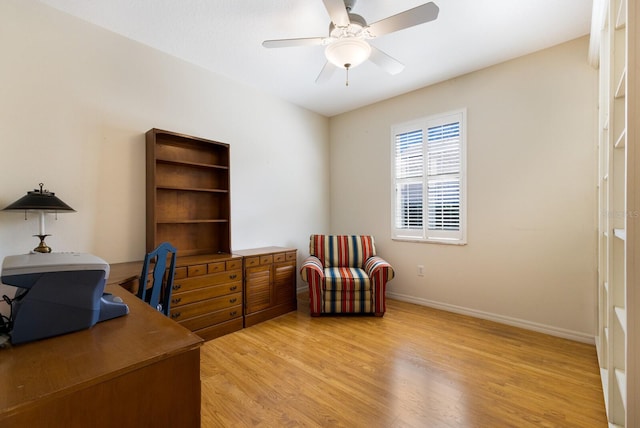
357, 23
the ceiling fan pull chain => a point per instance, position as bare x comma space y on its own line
347, 66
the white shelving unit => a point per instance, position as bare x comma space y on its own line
617, 341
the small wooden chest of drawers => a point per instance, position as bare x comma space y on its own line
269, 283
207, 294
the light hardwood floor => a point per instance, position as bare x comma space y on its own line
415, 367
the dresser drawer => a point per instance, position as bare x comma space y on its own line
187, 284
265, 260
216, 267
291, 256
279, 257
196, 270
211, 318
234, 264
251, 261
180, 272
203, 307
185, 297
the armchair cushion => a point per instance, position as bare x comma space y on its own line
346, 279
346, 290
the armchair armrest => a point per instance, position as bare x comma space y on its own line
311, 266
377, 267
312, 272
380, 273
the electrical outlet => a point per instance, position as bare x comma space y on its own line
420, 270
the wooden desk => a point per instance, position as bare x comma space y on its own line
141, 369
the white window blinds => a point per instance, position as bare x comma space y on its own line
443, 173
409, 183
428, 176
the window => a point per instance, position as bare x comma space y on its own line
428, 174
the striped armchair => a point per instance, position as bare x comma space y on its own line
345, 275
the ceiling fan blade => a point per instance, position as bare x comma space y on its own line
287, 43
337, 12
326, 72
418, 15
385, 62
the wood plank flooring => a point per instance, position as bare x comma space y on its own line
415, 367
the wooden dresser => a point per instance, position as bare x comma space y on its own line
269, 283
217, 294
207, 294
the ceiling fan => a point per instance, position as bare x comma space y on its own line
347, 46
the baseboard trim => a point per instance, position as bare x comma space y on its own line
515, 322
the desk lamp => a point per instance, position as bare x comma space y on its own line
42, 202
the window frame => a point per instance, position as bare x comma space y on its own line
455, 237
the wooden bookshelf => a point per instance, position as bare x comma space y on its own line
188, 201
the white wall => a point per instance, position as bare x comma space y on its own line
75, 102
531, 253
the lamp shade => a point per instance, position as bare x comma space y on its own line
348, 52
39, 200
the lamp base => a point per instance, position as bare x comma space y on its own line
42, 246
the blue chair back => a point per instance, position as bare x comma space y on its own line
158, 295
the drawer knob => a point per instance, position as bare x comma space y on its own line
176, 287
233, 288
176, 300
233, 313
233, 300
234, 276
175, 315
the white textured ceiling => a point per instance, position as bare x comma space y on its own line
225, 37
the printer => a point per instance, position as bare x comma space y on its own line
58, 293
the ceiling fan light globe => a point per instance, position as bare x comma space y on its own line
348, 53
